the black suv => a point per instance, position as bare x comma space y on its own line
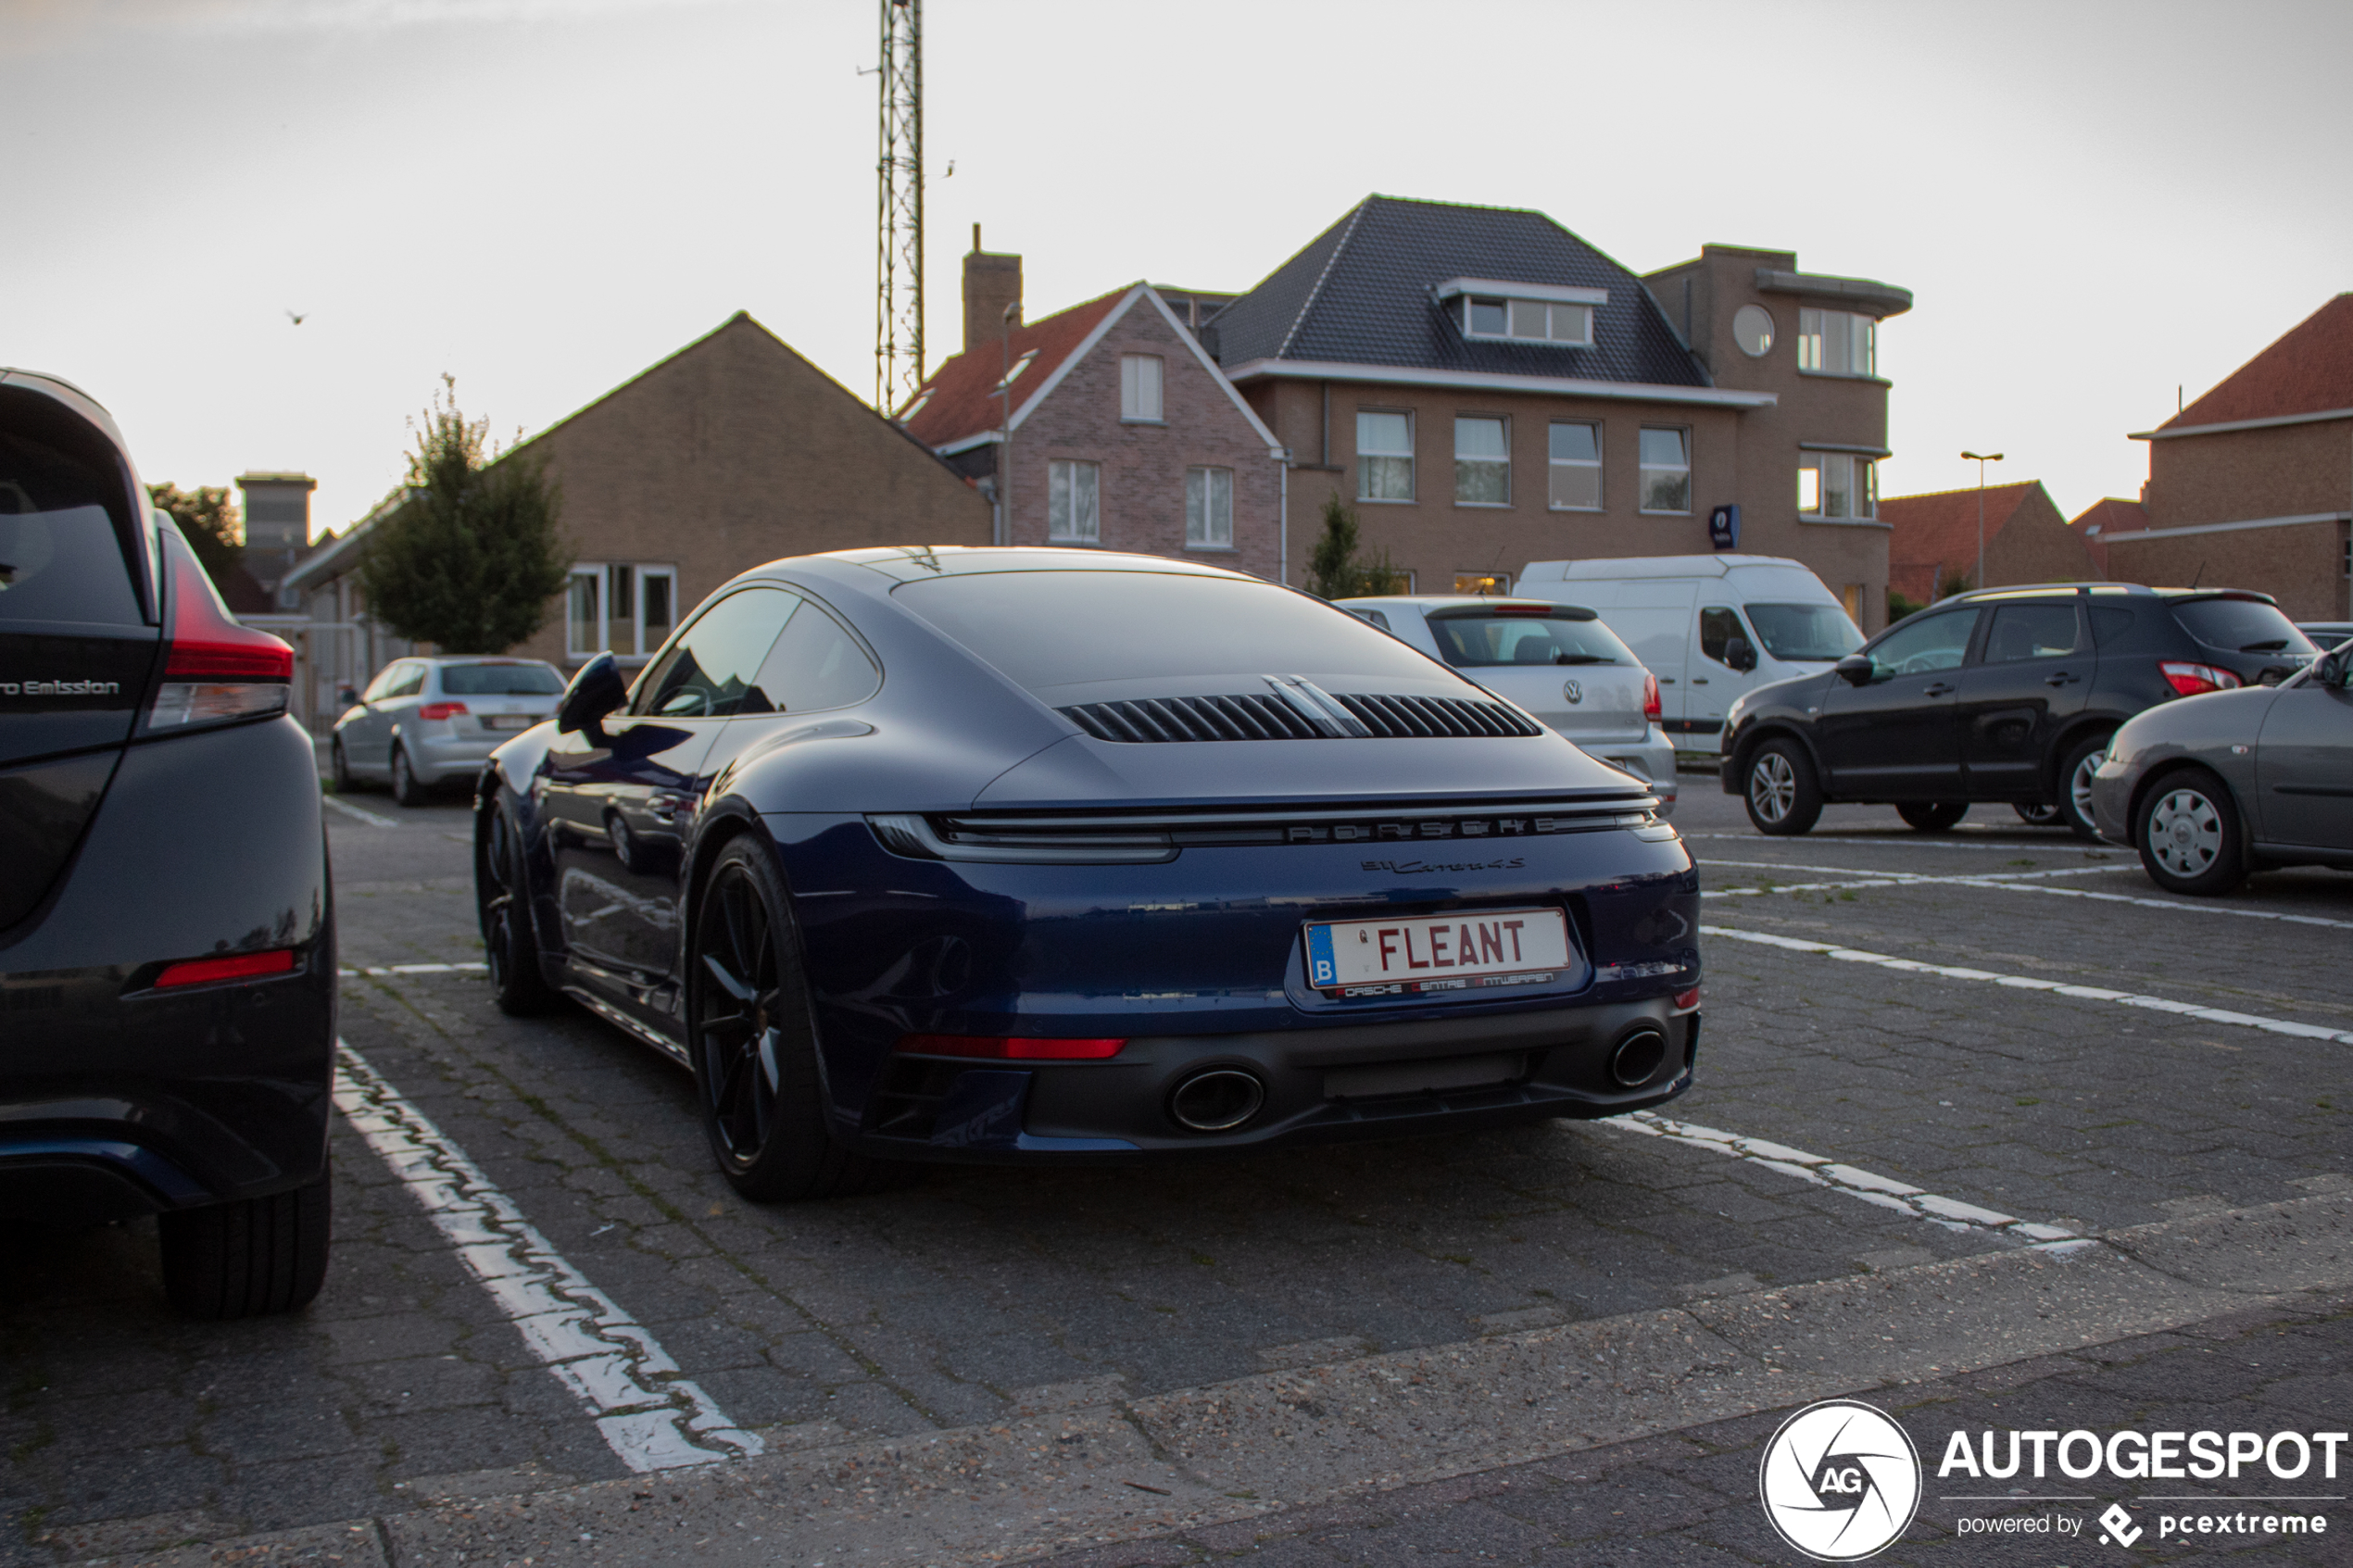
167, 933
2006, 694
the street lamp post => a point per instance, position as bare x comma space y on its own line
1981, 459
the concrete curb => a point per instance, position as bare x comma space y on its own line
1054, 1479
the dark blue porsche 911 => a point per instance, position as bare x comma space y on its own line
1065, 855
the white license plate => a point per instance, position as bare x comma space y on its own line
1462, 951
506, 720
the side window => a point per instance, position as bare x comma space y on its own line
1940, 642
1375, 617
2110, 622
817, 665
712, 669
2030, 631
1718, 626
408, 683
382, 686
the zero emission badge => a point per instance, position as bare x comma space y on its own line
1840, 1481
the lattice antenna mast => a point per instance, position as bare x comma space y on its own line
899, 252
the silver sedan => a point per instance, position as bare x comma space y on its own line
2210, 788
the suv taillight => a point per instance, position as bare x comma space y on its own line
215, 670
440, 709
2188, 680
1652, 709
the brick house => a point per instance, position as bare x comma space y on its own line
1487, 389
1107, 424
733, 451
1933, 538
2101, 520
2251, 486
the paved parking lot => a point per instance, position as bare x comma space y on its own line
1917, 1049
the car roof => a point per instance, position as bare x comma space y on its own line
2136, 590
1447, 601
912, 563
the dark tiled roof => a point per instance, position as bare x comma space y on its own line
962, 400
2309, 370
1361, 294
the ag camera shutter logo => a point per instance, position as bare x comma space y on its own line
1840, 1481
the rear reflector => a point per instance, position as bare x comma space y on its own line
1686, 1000
440, 709
216, 669
243, 966
1009, 1048
2188, 680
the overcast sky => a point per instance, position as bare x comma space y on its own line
2093, 204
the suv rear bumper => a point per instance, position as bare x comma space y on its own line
119, 1098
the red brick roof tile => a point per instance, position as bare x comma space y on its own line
1938, 532
960, 400
2309, 370
2112, 514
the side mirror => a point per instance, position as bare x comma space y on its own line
594, 692
1855, 668
1739, 655
2332, 669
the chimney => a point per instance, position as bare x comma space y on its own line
991, 283
277, 510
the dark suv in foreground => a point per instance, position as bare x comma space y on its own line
2005, 694
167, 937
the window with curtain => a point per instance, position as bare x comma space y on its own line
1209, 508
1482, 462
1139, 386
1384, 456
1577, 466
1666, 470
1073, 514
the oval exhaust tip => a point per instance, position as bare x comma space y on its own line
1638, 1058
1216, 1101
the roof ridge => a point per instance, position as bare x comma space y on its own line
1315, 292
1961, 490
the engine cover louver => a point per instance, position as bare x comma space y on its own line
1255, 716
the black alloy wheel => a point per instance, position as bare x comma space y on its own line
2041, 814
339, 768
1782, 795
502, 903
2082, 760
405, 787
1931, 815
2189, 834
752, 1042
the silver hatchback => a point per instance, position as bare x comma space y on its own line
1557, 660
426, 722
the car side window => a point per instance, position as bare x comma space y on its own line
815, 664
1717, 626
1938, 642
1373, 616
2031, 631
405, 678
713, 671
2110, 622
382, 683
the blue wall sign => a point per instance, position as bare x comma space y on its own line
1724, 528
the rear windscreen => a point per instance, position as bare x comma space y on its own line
500, 680
61, 556
1484, 640
1045, 629
1800, 631
2242, 626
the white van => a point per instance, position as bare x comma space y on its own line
1709, 627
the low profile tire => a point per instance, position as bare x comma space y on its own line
248, 1258
502, 905
753, 1043
2189, 834
405, 787
2041, 815
1931, 815
2082, 760
339, 768
1783, 797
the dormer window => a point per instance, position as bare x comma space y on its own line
916, 406
1485, 308
1014, 374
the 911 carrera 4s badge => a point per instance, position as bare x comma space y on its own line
1449, 952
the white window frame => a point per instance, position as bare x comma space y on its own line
1601, 497
1566, 326
1860, 489
1063, 488
627, 631
1645, 468
1505, 462
1205, 488
1143, 389
1837, 343
1363, 470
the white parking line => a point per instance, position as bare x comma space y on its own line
1871, 1187
348, 809
2209, 908
650, 1416
1924, 876
2029, 982
416, 969
1892, 841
